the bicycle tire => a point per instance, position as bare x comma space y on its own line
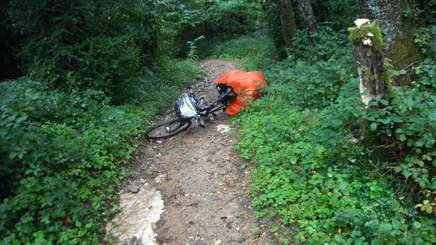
167, 129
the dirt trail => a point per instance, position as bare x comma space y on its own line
199, 177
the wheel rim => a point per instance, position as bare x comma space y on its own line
168, 129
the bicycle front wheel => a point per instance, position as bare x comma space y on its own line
168, 129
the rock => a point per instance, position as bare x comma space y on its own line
229, 224
159, 178
133, 188
134, 241
222, 128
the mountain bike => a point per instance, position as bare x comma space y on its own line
188, 108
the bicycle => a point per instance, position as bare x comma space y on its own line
187, 108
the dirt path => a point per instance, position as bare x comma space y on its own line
199, 177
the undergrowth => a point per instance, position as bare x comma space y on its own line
63, 154
317, 179
253, 51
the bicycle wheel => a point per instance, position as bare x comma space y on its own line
168, 129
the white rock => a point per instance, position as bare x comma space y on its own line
135, 223
222, 128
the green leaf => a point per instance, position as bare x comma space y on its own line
386, 227
339, 239
274, 229
419, 143
373, 127
403, 137
399, 131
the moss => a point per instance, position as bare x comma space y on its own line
369, 77
384, 80
359, 33
405, 51
388, 83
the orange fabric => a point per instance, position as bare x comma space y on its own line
245, 85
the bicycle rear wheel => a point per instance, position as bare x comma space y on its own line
168, 129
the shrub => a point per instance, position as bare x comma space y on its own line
312, 172
61, 155
317, 178
99, 45
254, 51
312, 76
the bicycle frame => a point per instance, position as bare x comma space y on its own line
220, 104
184, 119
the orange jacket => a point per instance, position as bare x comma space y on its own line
244, 84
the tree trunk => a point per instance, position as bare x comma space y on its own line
287, 19
367, 51
306, 12
398, 29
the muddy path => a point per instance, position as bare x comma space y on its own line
198, 176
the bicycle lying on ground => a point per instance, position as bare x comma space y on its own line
187, 108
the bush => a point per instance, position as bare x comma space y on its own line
61, 155
254, 51
100, 45
312, 172
216, 20
318, 178
312, 76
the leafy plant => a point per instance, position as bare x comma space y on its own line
315, 170
99, 45
61, 156
192, 54
254, 51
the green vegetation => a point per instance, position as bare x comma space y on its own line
315, 170
371, 31
60, 155
94, 79
95, 72
253, 51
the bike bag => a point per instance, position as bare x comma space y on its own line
185, 108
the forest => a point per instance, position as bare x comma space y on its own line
81, 80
